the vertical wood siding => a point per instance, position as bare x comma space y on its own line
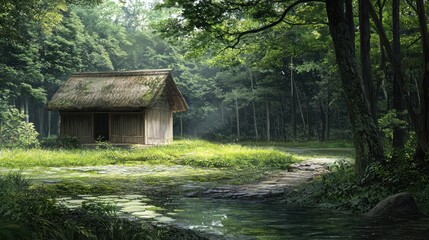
77, 125
159, 123
127, 128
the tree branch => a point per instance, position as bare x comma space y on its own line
272, 24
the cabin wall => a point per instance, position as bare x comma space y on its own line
159, 123
127, 128
77, 125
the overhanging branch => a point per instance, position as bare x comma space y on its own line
272, 24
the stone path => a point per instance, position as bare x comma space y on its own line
272, 185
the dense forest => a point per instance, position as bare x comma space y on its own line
248, 69
262, 91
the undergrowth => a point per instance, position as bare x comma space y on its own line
339, 189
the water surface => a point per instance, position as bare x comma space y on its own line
258, 220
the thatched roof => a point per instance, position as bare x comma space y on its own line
117, 91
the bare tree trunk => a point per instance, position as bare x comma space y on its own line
327, 120
292, 94
300, 108
308, 122
41, 122
323, 118
423, 143
283, 122
417, 87
365, 47
49, 123
255, 123
237, 116
27, 114
367, 144
268, 121
383, 57
398, 133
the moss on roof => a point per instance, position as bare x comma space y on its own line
110, 91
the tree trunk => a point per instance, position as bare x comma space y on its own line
327, 126
308, 122
237, 116
323, 118
292, 94
398, 133
27, 114
300, 109
367, 144
41, 122
365, 36
49, 123
268, 121
255, 123
283, 123
423, 144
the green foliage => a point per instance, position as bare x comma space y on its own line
14, 131
390, 121
65, 142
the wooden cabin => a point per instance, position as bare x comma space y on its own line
134, 107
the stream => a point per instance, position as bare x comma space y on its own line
233, 219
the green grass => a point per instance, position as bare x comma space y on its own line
186, 152
303, 144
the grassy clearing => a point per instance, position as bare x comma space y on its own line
185, 152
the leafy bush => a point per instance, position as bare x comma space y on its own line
14, 131
65, 142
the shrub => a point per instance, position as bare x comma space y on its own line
60, 142
14, 131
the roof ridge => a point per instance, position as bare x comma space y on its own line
125, 73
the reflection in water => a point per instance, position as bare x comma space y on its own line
277, 221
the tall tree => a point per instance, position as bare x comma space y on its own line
398, 133
367, 144
365, 47
423, 145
